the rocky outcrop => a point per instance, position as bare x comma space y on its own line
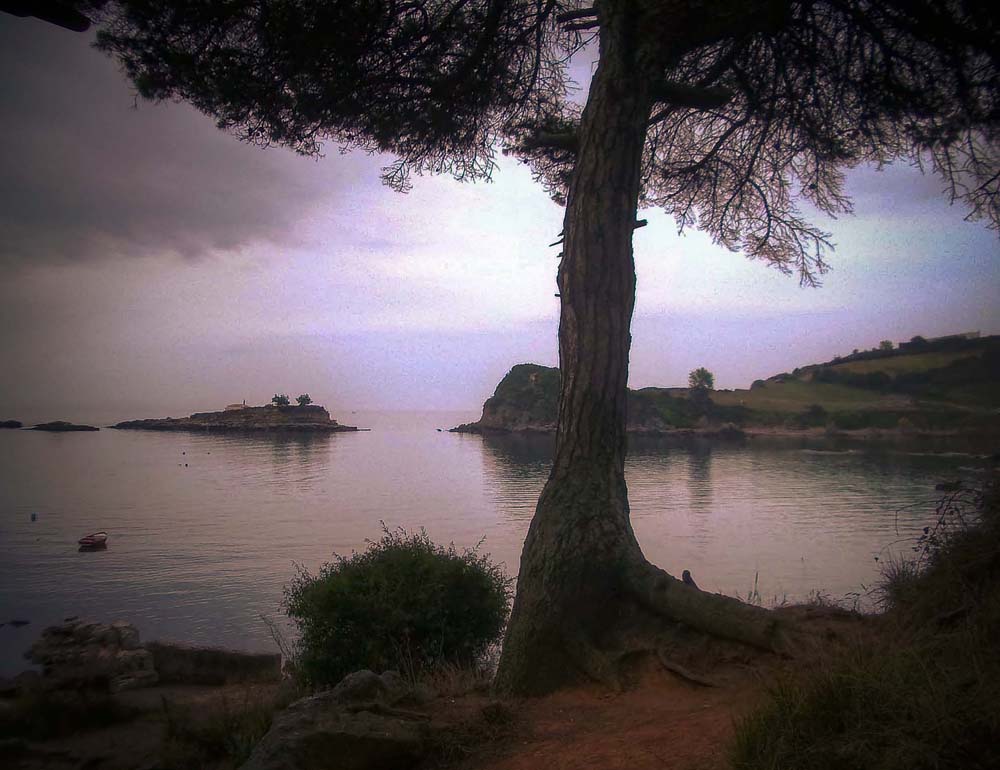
11, 424
60, 426
184, 663
88, 655
108, 656
527, 401
357, 725
252, 419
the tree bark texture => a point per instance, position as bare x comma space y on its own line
584, 585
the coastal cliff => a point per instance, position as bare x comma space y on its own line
527, 401
251, 419
946, 388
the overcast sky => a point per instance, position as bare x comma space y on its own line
153, 265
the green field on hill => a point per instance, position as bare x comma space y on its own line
796, 395
952, 384
913, 362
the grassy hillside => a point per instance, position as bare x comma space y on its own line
954, 384
946, 386
900, 363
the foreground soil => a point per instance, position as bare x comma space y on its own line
660, 720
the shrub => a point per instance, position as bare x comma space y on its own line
404, 603
814, 416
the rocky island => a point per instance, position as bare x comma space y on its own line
13, 424
61, 426
250, 419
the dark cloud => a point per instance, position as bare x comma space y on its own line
86, 172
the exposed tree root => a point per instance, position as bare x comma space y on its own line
595, 623
684, 673
716, 615
663, 615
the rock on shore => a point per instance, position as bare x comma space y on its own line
271, 419
355, 725
86, 655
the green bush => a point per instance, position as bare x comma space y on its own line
404, 603
814, 416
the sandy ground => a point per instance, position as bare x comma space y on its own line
661, 723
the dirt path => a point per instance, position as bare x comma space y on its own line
663, 723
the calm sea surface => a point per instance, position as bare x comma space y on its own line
206, 530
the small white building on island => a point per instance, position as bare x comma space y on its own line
236, 407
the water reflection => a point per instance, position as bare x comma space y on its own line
205, 530
515, 469
699, 479
794, 519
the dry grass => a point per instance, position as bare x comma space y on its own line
221, 733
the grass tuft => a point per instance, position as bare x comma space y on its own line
220, 734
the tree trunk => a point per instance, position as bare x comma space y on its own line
584, 585
581, 540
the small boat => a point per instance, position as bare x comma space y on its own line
94, 539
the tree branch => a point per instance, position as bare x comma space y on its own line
694, 97
582, 13
568, 141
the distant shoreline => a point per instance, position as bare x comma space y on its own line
739, 434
